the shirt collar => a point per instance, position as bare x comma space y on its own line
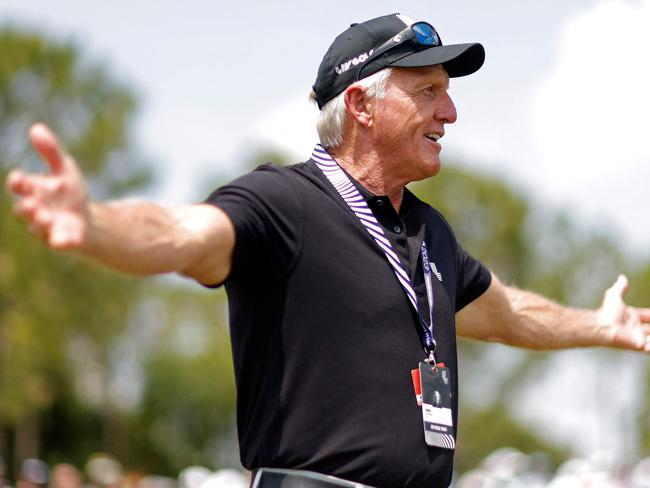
319, 152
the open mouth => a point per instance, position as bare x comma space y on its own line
433, 136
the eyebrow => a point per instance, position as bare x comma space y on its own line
436, 82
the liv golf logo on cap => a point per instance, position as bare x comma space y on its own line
361, 58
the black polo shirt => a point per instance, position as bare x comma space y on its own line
323, 335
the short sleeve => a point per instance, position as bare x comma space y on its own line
472, 280
264, 209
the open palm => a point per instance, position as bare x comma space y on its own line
625, 326
54, 204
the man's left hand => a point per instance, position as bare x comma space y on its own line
624, 326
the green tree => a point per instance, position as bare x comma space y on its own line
48, 301
640, 278
488, 217
186, 415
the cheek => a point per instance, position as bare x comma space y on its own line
395, 118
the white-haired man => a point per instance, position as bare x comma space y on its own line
346, 292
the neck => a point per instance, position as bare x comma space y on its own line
365, 167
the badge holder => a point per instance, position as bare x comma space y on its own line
433, 393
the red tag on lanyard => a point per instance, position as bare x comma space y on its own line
415, 376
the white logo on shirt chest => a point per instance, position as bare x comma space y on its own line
435, 271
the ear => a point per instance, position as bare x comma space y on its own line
358, 106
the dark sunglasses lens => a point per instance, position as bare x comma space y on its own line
425, 34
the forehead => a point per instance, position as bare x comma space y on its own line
425, 75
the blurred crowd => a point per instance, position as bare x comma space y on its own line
105, 471
510, 468
504, 468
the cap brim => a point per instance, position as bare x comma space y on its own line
457, 59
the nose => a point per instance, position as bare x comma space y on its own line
447, 110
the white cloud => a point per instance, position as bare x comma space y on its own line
591, 114
290, 126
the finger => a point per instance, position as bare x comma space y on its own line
48, 147
19, 183
64, 236
645, 340
43, 217
643, 313
25, 208
638, 337
629, 338
58, 238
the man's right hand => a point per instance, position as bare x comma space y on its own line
135, 237
55, 204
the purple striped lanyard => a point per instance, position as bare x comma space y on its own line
342, 184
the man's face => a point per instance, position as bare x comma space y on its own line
410, 119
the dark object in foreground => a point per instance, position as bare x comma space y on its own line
291, 478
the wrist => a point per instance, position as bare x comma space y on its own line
593, 329
90, 229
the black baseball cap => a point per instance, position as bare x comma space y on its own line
345, 61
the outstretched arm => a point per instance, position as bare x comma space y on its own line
521, 318
134, 237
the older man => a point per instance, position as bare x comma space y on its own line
346, 292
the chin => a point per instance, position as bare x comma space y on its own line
430, 172
431, 169
435, 167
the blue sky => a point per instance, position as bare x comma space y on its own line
559, 108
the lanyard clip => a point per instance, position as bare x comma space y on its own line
429, 350
431, 359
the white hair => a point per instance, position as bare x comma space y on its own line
333, 114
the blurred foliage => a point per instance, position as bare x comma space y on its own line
90, 360
483, 431
254, 156
49, 81
638, 295
188, 401
482, 211
48, 301
644, 418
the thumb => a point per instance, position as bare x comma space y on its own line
612, 310
48, 147
620, 286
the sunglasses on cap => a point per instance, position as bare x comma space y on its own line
421, 33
